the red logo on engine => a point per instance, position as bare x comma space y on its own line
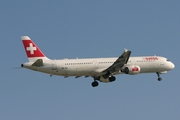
135, 69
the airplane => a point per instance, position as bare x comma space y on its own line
100, 69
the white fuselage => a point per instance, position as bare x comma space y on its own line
101, 69
95, 66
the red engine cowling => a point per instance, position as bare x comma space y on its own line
132, 70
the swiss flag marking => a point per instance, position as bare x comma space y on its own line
31, 48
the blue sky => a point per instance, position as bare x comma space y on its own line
92, 28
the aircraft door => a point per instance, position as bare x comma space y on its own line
95, 64
161, 63
54, 66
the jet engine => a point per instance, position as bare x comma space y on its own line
132, 70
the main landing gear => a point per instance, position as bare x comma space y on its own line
95, 83
112, 79
96, 79
159, 78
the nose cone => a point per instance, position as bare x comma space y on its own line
172, 66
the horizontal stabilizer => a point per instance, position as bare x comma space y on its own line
38, 63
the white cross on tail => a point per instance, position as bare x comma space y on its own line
31, 48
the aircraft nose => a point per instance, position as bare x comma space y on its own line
172, 66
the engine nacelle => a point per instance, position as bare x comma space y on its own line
132, 70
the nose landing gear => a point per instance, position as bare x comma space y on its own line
159, 78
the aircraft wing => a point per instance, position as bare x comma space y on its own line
119, 63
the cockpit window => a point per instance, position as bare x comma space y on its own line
167, 60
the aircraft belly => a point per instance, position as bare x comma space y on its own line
44, 70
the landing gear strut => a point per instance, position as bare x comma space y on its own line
95, 83
159, 78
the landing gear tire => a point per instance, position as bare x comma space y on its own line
159, 78
95, 84
111, 79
